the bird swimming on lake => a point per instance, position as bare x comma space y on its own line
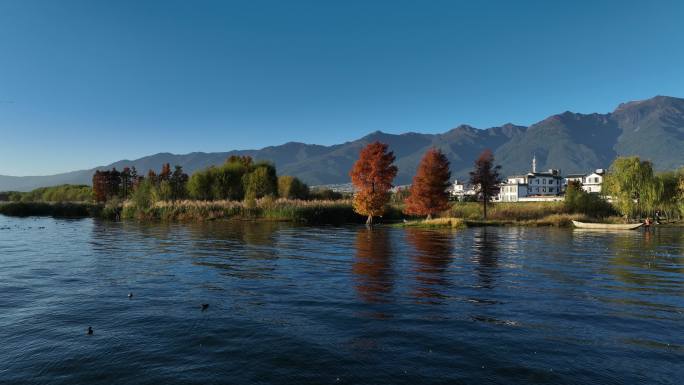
205, 306
90, 330
130, 295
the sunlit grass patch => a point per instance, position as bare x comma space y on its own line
452, 223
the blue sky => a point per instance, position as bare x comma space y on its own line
85, 83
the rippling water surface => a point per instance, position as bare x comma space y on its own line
337, 305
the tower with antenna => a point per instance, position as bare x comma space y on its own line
534, 163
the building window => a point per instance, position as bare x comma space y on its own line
550, 189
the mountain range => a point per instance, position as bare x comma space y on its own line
652, 129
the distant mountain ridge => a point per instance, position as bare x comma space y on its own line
652, 129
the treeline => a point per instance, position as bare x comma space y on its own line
62, 193
631, 184
114, 184
240, 178
238, 187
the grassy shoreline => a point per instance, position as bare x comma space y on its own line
306, 212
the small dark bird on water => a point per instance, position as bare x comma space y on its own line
205, 306
90, 330
130, 295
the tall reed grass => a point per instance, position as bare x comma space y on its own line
304, 211
518, 211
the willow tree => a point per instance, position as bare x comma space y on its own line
632, 186
428, 193
372, 175
671, 192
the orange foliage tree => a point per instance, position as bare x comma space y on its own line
372, 175
428, 194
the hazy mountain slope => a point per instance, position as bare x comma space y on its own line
571, 142
652, 129
464, 144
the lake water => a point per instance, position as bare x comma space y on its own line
337, 305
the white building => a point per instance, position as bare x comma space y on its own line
533, 186
594, 181
590, 183
575, 178
461, 191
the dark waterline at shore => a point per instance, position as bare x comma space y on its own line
321, 305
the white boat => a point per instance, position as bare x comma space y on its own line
606, 226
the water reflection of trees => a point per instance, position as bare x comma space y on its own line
241, 249
372, 266
244, 232
432, 256
486, 255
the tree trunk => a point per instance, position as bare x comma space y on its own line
484, 202
369, 221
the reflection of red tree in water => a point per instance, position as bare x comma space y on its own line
373, 266
432, 257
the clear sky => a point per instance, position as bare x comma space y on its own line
86, 83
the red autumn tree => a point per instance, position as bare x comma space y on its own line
428, 194
372, 175
100, 186
165, 173
485, 178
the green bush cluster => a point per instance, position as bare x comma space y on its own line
578, 201
62, 193
238, 178
290, 187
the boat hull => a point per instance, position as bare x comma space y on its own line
606, 226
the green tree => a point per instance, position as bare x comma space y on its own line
142, 197
228, 181
669, 199
579, 201
632, 186
126, 182
261, 181
163, 191
178, 183
291, 187
201, 183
